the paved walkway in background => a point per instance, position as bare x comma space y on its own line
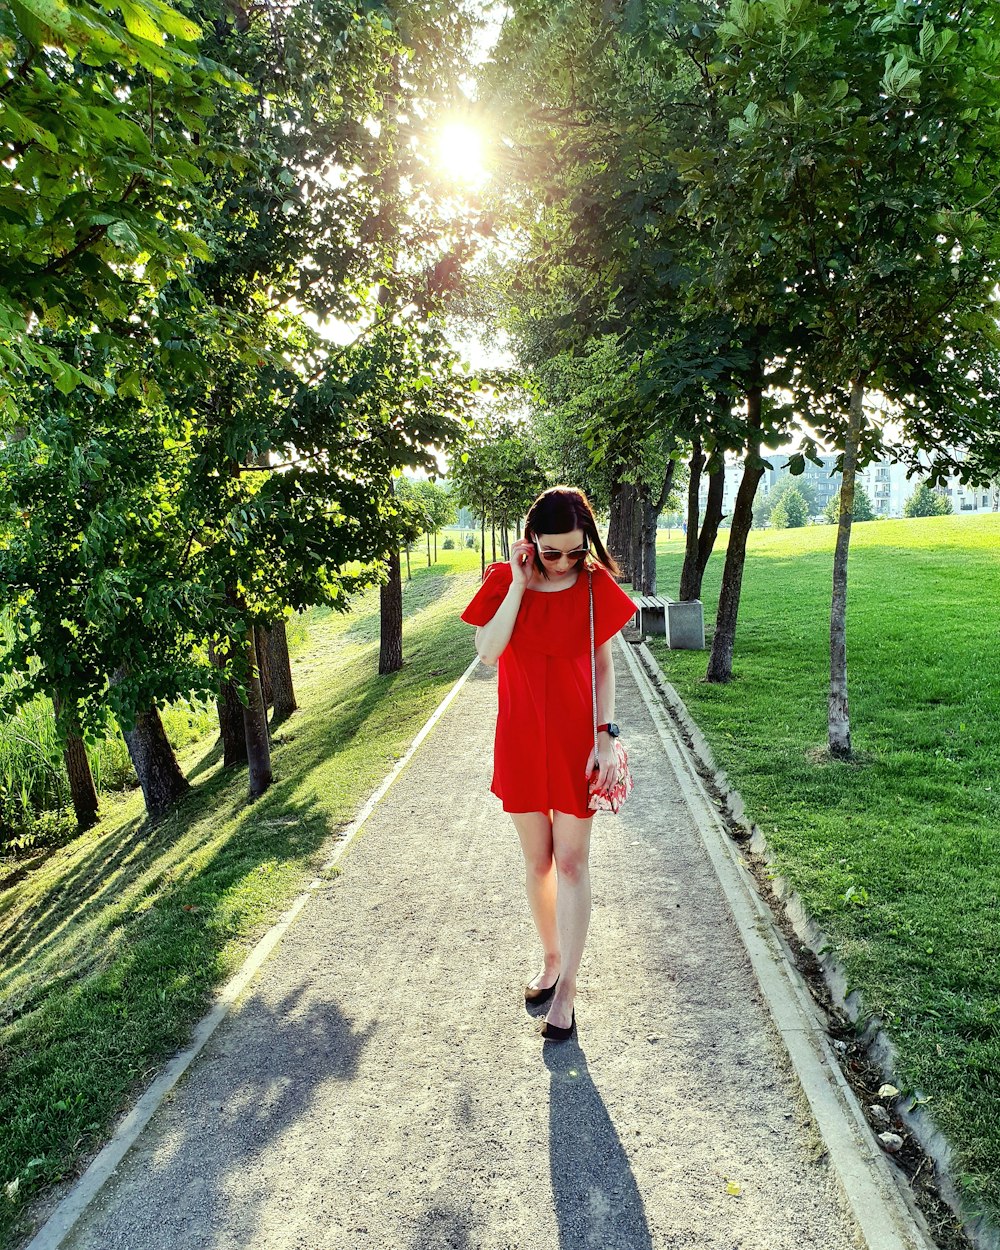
380, 1084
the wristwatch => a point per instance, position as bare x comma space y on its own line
611, 728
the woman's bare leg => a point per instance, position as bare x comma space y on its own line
535, 831
571, 851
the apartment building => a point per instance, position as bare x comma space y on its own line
885, 482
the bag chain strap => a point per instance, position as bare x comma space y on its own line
593, 662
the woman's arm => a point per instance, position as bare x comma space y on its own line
492, 638
605, 687
606, 761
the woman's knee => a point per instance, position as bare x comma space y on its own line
571, 845
539, 863
571, 863
535, 833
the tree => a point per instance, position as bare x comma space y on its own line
925, 501
699, 544
83, 792
766, 504
497, 475
863, 148
103, 160
791, 510
273, 464
439, 506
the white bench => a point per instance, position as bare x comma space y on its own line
682, 624
651, 614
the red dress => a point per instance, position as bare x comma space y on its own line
545, 729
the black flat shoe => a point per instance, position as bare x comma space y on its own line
534, 997
555, 1032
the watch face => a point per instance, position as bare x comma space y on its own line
613, 730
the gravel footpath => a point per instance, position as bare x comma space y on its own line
381, 1084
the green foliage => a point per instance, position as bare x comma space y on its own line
765, 505
854, 135
496, 473
862, 510
925, 501
102, 168
229, 464
791, 510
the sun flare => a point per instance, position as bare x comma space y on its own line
460, 153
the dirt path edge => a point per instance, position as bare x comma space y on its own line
872, 1040
880, 1200
60, 1222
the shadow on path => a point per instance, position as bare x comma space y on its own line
597, 1200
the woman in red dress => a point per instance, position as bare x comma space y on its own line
533, 622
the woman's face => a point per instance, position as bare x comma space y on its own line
561, 554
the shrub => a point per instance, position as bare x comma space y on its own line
796, 508
927, 502
448, 544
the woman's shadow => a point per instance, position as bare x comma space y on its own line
596, 1198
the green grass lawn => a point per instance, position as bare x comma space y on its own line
898, 856
113, 946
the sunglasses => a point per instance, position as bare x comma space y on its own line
553, 556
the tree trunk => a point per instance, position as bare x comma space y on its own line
154, 761
493, 532
435, 546
230, 712
639, 503
428, 549
255, 724
281, 674
838, 715
82, 790
690, 587
409, 575
390, 658
713, 516
650, 519
720, 661
263, 648
620, 526
482, 545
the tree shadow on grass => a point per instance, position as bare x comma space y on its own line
214, 1155
122, 954
75, 1053
208, 761
426, 588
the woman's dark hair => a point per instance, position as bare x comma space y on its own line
559, 510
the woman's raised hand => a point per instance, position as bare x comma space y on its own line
522, 562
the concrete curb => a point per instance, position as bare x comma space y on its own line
982, 1232
83, 1192
883, 1207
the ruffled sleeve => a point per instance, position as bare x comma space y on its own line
612, 606
490, 595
